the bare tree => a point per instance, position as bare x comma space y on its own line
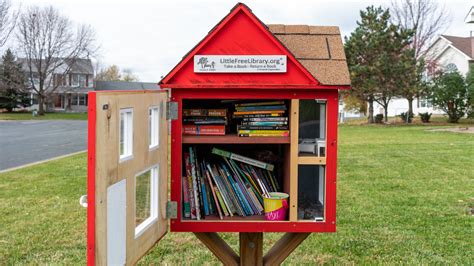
426, 19
51, 45
8, 18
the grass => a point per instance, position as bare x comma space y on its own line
404, 197
47, 116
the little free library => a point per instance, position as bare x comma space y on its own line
241, 137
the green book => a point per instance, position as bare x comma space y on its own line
243, 159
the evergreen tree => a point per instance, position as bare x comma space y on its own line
378, 57
13, 89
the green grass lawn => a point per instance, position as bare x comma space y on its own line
404, 197
47, 116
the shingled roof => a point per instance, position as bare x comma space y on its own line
318, 48
464, 44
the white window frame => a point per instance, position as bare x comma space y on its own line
154, 127
74, 83
154, 199
128, 134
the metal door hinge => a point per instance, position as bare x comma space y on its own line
172, 110
172, 210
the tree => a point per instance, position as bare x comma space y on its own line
51, 46
13, 91
113, 73
8, 20
376, 54
426, 19
449, 92
470, 91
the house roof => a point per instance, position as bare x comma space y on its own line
318, 48
80, 66
463, 44
123, 85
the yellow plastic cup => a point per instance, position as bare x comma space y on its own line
276, 206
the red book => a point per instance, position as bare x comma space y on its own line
207, 130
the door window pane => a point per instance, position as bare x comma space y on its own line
312, 128
126, 133
146, 199
311, 196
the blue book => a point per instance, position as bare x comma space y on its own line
243, 202
261, 108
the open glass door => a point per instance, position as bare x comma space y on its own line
127, 175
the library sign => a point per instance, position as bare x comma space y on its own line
240, 63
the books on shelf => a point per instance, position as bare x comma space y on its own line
262, 119
205, 112
207, 130
225, 184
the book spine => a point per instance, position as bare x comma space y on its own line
195, 184
263, 135
229, 190
265, 123
203, 191
263, 131
240, 196
243, 159
260, 103
220, 189
204, 129
265, 119
190, 186
260, 108
247, 127
213, 193
205, 112
222, 202
186, 206
258, 115
259, 112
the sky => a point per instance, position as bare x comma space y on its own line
149, 38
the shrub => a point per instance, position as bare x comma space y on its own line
379, 118
406, 118
450, 93
425, 117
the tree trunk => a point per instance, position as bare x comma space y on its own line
371, 111
40, 104
410, 109
385, 113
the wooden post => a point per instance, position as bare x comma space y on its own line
283, 248
219, 248
251, 249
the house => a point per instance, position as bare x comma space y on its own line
68, 91
450, 53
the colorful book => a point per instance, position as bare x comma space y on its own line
259, 112
264, 119
192, 203
260, 108
195, 184
269, 115
186, 205
265, 123
243, 159
204, 130
205, 112
214, 195
220, 187
250, 127
260, 103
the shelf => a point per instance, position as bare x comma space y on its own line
311, 160
234, 139
233, 218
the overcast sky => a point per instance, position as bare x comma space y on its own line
150, 37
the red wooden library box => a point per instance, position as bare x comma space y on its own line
241, 64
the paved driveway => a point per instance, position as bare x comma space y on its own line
23, 142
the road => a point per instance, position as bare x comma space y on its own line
24, 142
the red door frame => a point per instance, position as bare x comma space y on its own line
329, 225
